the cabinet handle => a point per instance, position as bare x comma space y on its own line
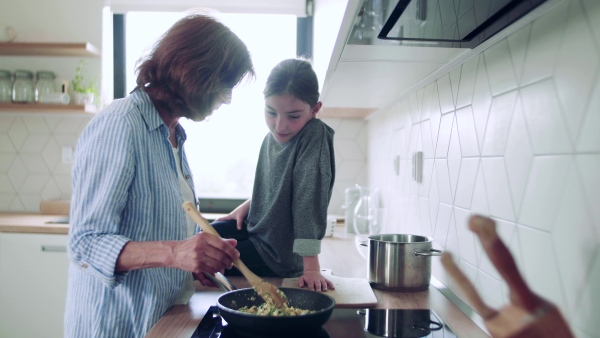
54, 248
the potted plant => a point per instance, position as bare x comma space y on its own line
83, 93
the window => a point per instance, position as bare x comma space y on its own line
223, 151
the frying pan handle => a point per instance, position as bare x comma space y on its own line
429, 252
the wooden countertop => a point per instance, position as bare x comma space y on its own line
32, 223
339, 254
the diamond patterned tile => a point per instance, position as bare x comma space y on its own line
35, 143
34, 184
34, 163
445, 94
498, 124
415, 109
499, 67
349, 128
5, 162
440, 232
454, 158
54, 120
543, 278
17, 173
16, 206
6, 145
349, 150
434, 197
427, 174
349, 169
574, 245
6, 186
362, 141
455, 82
518, 158
496, 184
64, 184
70, 124
443, 139
482, 98
466, 239
479, 202
426, 227
467, 82
576, 67
452, 246
426, 139
6, 122
18, 133
589, 167
546, 32
30, 202
36, 124
6, 200
426, 105
413, 219
466, 132
586, 316
470, 272
592, 9
443, 181
589, 137
517, 44
466, 182
543, 191
490, 290
52, 154
435, 115
544, 121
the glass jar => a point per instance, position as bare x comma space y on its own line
45, 84
23, 89
5, 86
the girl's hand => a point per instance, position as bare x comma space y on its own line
239, 214
314, 280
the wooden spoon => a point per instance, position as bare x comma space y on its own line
269, 292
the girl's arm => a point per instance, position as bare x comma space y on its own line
238, 214
312, 276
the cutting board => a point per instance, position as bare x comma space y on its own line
349, 292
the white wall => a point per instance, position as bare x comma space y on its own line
30, 144
512, 133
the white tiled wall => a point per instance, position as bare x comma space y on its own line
512, 133
31, 166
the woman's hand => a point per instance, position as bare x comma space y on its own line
204, 252
238, 214
315, 281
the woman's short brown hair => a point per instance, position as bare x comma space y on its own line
192, 63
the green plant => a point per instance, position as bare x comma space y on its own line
78, 83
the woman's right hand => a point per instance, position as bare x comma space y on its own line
205, 252
238, 214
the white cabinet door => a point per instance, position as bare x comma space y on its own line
33, 284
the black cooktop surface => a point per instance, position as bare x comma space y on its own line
346, 323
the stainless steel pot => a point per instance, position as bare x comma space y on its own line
400, 262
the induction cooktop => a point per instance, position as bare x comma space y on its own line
346, 323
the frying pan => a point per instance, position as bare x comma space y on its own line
242, 322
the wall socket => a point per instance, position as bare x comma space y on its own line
417, 166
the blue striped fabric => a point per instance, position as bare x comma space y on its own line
125, 188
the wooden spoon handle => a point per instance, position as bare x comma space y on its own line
466, 287
485, 229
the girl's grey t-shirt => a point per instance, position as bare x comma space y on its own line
291, 193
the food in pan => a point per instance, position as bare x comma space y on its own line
266, 309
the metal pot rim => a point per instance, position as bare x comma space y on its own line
401, 238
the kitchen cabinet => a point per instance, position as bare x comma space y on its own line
33, 284
40, 49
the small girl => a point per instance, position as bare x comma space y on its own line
279, 230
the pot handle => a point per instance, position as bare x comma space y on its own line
429, 252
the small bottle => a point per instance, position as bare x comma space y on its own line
5, 86
45, 84
23, 90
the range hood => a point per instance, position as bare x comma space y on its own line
435, 23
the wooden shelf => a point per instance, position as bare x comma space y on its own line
346, 113
47, 108
48, 49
